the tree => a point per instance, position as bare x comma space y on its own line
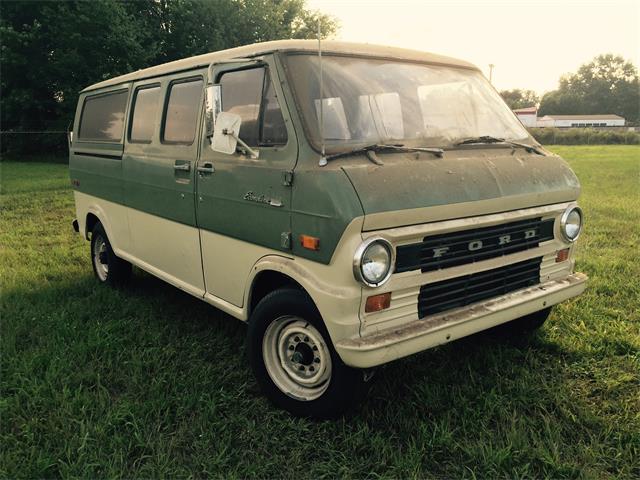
607, 84
518, 98
51, 50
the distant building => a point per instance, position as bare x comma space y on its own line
528, 116
580, 121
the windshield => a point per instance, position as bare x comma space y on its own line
368, 101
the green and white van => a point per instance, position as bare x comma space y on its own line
353, 207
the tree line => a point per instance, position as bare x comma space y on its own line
607, 84
51, 50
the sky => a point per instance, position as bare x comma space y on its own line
531, 43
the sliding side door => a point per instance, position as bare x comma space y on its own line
158, 168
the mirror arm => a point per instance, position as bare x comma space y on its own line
252, 153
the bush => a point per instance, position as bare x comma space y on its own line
584, 136
18, 144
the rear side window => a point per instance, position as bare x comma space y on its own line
103, 117
143, 119
181, 116
250, 94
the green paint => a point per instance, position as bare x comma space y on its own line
408, 181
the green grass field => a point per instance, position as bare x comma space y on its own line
150, 382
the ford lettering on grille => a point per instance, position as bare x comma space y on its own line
472, 245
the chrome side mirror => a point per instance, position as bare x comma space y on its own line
213, 106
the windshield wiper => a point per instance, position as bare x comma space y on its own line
489, 139
370, 151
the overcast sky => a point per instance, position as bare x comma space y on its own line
530, 42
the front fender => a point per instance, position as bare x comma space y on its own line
332, 287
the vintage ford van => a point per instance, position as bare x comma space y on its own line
353, 207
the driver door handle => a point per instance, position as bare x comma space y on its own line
183, 167
206, 169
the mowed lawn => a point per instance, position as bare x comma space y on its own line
149, 382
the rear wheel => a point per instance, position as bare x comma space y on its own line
107, 267
294, 361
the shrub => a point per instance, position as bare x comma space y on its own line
584, 136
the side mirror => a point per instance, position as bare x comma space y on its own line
212, 107
225, 135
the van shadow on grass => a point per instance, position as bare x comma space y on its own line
149, 315
150, 360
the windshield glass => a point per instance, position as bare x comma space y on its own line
368, 101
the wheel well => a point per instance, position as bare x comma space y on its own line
266, 282
90, 223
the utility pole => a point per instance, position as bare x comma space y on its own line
491, 65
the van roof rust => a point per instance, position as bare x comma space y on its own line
257, 49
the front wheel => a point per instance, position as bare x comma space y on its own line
524, 326
294, 361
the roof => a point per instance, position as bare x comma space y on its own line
606, 116
526, 111
257, 49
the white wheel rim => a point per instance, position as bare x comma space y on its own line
100, 257
296, 358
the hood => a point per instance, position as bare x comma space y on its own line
417, 188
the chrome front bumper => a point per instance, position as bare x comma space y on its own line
393, 343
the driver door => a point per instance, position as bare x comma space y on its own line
243, 204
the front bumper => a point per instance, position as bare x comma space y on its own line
393, 343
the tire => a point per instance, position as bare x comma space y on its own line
524, 326
107, 267
294, 361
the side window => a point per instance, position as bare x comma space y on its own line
181, 115
143, 117
102, 117
273, 130
242, 95
250, 94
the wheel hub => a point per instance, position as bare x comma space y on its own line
297, 358
100, 259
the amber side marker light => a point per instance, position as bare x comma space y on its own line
378, 302
562, 255
309, 242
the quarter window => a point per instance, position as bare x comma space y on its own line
144, 114
250, 94
181, 117
103, 117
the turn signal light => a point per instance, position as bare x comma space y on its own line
378, 302
309, 242
562, 255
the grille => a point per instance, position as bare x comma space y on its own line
461, 291
467, 246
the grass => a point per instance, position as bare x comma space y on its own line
150, 382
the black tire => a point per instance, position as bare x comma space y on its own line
344, 385
117, 271
524, 326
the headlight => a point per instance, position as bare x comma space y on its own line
373, 262
571, 223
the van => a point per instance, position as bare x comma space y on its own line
354, 205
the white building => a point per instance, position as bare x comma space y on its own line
528, 116
565, 121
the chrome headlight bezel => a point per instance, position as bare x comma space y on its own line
359, 254
563, 223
